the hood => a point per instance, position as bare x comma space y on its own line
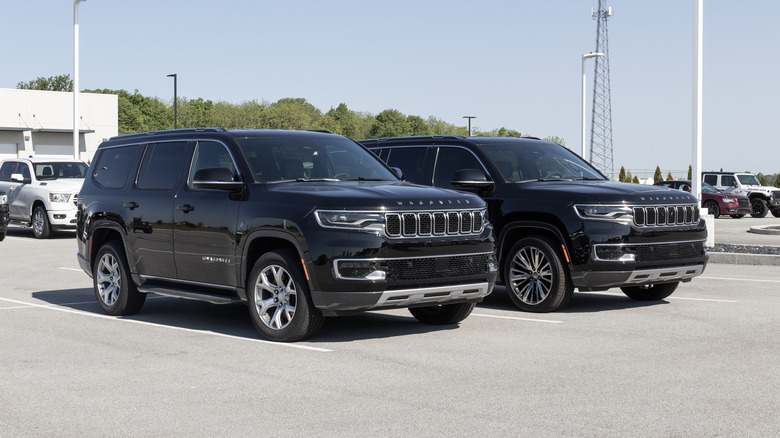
608, 192
372, 195
62, 185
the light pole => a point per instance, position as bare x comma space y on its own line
175, 100
585, 57
76, 78
469, 117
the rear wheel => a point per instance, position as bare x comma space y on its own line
114, 289
280, 304
776, 213
535, 275
650, 292
444, 314
760, 209
712, 208
40, 223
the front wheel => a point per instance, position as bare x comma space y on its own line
444, 314
280, 304
776, 213
114, 289
760, 209
712, 208
40, 223
650, 292
535, 275
737, 216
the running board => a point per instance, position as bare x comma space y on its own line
188, 295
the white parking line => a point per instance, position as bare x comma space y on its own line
739, 279
72, 269
114, 318
620, 294
516, 318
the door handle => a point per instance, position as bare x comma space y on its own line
185, 208
132, 205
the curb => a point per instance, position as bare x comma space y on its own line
734, 258
765, 229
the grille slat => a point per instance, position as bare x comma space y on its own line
437, 223
666, 216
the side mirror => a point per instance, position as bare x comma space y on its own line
216, 178
473, 178
17, 177
399, 173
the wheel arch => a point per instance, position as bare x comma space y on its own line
517, 230
102, 232
262, 242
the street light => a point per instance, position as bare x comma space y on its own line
76, 78
584, 58
173, 75
469, 117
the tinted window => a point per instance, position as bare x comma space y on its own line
727, 180
411, 161
113, 166
7, 170
711, 179
161, 165
211, 155
451, 159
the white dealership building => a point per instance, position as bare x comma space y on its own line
40, 123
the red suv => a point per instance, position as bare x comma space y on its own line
715, 201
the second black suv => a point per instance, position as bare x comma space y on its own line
300, 225
559, 223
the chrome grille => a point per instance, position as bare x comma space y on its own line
666, 215
743, 202
437, 223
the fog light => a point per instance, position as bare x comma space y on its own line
359, 270
59, 216
613, 253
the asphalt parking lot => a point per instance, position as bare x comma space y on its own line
703, 362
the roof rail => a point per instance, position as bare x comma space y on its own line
166, 131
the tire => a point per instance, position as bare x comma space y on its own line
712, 208
2, 235
280, 304
776, 213
760, 209
444, 314
737, 216
535, 276
114, 288
40, 223
650, 292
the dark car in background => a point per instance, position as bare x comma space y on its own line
713, 200
3, 214
559, 223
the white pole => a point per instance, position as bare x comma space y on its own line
582, 138
76, 78
698, 40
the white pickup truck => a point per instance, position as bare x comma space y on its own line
42, 192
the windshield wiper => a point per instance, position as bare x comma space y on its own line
315, 179
362, 178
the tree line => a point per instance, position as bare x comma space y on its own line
625, 176
139, 113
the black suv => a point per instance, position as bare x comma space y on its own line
559, 222
3, 214
300, 225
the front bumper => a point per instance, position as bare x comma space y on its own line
600, 280
62, 219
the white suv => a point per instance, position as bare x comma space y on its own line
42, 193
763, 199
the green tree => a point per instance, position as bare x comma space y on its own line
658, 176
690, 172
777, 179
390, 123
291, 113
417, 125
635, 180
622, 174
556, 140
669, 176
345, 121
52, 83
762, 179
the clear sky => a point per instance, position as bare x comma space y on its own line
513, 63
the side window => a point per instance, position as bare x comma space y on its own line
410, 160
210, 155
113, 166
711, 179
451, 159
161, 165
7, 170
727, 180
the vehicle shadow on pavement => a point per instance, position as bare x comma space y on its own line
17, 231
234, 320
581, 302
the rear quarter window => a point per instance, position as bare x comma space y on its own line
113, 166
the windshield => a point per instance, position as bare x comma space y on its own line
60, 170
706, 188
748, 180
326, 158
538, 161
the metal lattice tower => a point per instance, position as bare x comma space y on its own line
601, 121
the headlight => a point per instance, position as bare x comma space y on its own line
729, 200
351, 220
59, 197
3, 199
604, 212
